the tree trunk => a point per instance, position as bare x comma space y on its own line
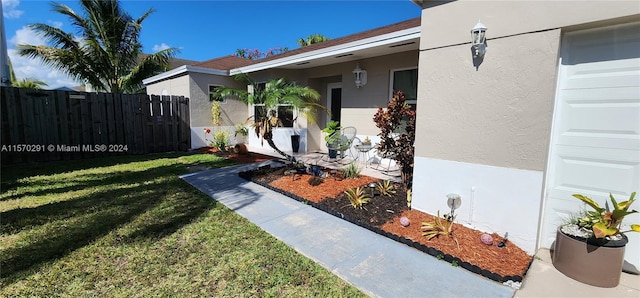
269, 138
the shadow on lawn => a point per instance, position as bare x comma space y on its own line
133, 205
17, 172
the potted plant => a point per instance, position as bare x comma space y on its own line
590, 249
331, 129
243, 132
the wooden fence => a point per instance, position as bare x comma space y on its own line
39, 125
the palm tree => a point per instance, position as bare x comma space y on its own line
106, 55
311, 39
273, 94
29, 83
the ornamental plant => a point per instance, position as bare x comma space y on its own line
437, 227
604, 221
241, 130
385, 188
357, 196
221, 139
272, 95
351, 171
331, 128
397, 126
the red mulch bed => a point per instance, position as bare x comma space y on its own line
382, 215
248, 157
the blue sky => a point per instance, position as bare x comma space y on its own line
204, 30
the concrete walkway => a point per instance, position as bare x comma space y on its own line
375, 264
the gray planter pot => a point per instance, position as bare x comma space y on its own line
596, 264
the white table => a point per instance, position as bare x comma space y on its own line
364, 151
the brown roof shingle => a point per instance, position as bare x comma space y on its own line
225, 63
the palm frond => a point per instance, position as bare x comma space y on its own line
104, 51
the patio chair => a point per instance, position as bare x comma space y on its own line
387, 155
383, 156
342, 141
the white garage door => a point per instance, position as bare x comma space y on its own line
595, 146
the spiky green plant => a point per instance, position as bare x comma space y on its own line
357, 196
386, 188
221, 139
351, 171
438, 227
605, 222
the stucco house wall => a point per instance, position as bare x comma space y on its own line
195, 86
233, 110
358, 104
485, 133
175, 86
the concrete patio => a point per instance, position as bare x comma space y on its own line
373, 167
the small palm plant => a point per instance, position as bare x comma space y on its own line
357, 196
271, 96
438, 227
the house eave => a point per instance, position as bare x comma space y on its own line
181, 70
352, 48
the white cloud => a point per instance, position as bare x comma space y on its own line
156, 48
25, 67
25, 35
9, 9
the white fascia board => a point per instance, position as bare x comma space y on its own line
183, 70
371, 42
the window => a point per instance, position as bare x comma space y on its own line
407, 81
283, 112
212, 88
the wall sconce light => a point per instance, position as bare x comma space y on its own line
360, 76
478, 40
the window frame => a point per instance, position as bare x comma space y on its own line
412, 102
221, 101
254, 105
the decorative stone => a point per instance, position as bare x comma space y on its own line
486, 239
404, 221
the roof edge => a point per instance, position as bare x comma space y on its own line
388, 38
183, 70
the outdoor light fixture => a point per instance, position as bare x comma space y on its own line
454, 202
360, 76
478, 40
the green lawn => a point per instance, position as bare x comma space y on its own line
128, 226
